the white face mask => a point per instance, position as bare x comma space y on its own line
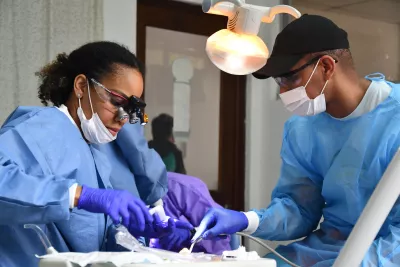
298, 102
94, 130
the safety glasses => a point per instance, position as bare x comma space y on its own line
127, 107
293, 78
117, 100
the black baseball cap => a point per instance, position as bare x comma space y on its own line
305, 35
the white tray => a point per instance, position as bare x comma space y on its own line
256, 263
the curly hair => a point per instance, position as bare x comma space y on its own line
94, 60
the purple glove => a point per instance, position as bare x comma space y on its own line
176, 240
220, 221
160, 228
155, 229
118, 205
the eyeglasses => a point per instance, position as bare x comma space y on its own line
117, 100
292, 78
127, 107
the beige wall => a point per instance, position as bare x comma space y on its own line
375, 45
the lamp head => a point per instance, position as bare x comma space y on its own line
238, 54
238, 50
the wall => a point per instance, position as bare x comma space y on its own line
375, 45
32, 34
120, 22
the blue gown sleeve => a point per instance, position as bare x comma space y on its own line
146, 165
28, 193
296, 206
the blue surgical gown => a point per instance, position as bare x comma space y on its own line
41, 155
135, 167
330, 168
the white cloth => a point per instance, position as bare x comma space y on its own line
376, 93
118, 259
72, 189
254, 221
64, 110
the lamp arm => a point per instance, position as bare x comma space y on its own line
271, 12
221, 7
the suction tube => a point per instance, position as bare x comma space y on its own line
43, 238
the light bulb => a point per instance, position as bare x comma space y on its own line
237, 54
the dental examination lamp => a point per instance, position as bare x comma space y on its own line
238, 50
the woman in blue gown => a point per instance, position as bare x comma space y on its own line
51, 171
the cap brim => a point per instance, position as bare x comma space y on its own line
277, 65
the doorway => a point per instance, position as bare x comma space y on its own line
208, 105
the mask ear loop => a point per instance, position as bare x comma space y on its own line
90, 100
324, 87
312, 73
79, 100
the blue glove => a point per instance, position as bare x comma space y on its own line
220, 221
118, 205
177, 240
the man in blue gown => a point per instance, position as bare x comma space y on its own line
335, 150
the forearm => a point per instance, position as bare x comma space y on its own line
75, 191
282, 220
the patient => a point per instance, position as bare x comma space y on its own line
188, 199
164, 144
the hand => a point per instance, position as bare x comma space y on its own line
176, 240
159, 229
121, 206
220, 221
156, 229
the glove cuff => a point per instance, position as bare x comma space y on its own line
253, 222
